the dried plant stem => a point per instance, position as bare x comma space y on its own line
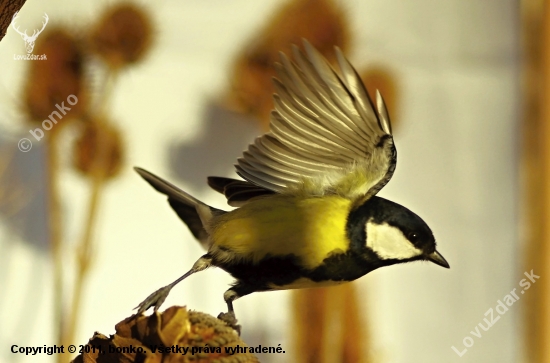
101, 105
97, 178
55, 230
536, 174
85, 250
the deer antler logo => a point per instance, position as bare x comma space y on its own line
29, 40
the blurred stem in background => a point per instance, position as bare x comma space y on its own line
94, 154
536, 174
120, 38
48, 85
55, 237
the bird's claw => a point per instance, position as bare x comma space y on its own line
156, 299
231, 320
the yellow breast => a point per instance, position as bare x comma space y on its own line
310, 228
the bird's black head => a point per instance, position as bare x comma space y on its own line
392, 232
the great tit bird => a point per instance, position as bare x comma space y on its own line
307, 212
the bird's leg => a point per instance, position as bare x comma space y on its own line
239, 290
229, 318
157, 298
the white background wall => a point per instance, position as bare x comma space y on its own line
457, 64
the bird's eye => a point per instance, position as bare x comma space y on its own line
413, 237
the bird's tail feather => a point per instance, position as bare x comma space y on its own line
194, 213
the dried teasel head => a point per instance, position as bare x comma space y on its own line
190, 331
98, 149
50, 82
321, 22
122, 36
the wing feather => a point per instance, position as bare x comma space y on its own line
258, 157
325, 117
336, 133
315, 134
278, 152
301, 166
338, 89
326, 136
330, 99
237, 192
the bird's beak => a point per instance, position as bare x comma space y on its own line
436, 258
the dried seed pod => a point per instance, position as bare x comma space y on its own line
122, 36
188, 335
50, 82
321, 22
98, 146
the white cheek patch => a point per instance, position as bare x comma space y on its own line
389, 242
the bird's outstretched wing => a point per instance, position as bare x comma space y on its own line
326, 136
237, 192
